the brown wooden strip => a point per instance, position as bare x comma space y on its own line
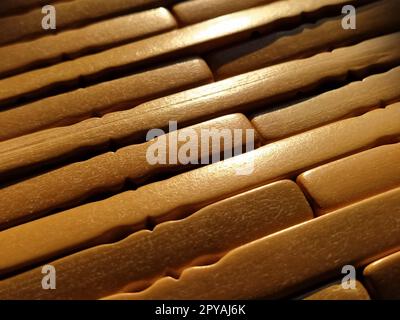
244, 92
11, 6
353, 178
144, 256
294, 259
194, 11
383, 277
169, 199
193, 39
68, 14
119, 94
372, 20
95, 37
351, 100
32, 198
337, 292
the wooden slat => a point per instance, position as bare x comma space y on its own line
168, 199
11, 6
68, 14
98, 36
194, 11
353, 99
372, 20
242, 93
193, 39
353, 178
145, 256
337, 292
31, 198
119, 94
383, 277
294, 259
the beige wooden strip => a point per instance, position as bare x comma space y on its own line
294, 259
243, 93
383, 277
98, 36
119, 94
194, 11
33, 197
350, 179
195, 39
68, 14
104, 221
337, 292
353, 99
372, 20
145, 256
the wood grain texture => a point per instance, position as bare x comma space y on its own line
353, 99
194, 39
33, 197
241, 93
69, 14
353, 178
103, 221
94, 37
372, 20
123, 93
147, 255
9, 7
194, 11
294, 259
321, 190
